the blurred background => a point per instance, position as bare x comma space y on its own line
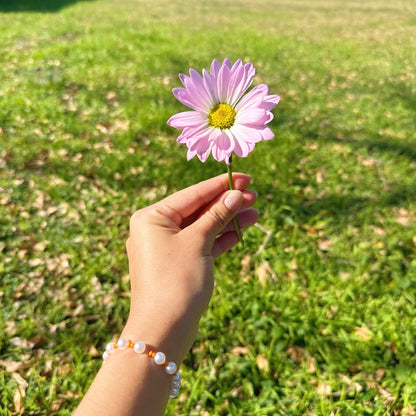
316, 314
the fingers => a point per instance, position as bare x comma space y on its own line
229, 237
224, 243
216, 217
189, 200
245, 218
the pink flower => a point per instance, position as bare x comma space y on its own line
223, 120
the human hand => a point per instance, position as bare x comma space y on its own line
171, 249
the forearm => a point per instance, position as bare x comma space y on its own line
171, 249
127, 384
130, 383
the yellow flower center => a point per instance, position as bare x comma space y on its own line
221, 116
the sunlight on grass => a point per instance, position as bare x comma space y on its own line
321, 320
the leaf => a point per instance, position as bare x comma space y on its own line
324, 245
246, 264
385, 393
21, 343
324, 389
362, 332
403, 216
263, 363
239, 351
20, 392
264, 273
15, 366
409, 411
311, 363
296, 353
352, 385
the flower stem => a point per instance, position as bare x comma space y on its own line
230, 185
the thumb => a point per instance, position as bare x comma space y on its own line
219, 214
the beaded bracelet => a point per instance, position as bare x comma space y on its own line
159, 358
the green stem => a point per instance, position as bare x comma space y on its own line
230, 185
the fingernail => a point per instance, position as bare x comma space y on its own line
233, 200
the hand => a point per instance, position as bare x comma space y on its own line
171, 249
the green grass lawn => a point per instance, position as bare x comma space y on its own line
322, 319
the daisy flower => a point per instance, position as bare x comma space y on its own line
223, 120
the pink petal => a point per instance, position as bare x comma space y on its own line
225, 142
246, 133
250, 146
270, 102
215, 67
201, 145
226, 62
190, 154
254, 116
252, 99
241, 78
182, 95
219, 154
197, 94
242, 148
207, 79
221, 84
197, 89
187, 119
267, 133
183, 78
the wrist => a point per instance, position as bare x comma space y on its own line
173, 336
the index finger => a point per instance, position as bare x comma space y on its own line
191, 199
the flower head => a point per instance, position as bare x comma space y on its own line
223, 120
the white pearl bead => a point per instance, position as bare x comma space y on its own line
122, 343
170, 368
159, 358
110, 346
176, 384
139, 347
174, 393
105, 355
177, 376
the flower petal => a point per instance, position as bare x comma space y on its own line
190, 154
221, 84
242, 148
253, 99
253, 116
267, 133
186, 119
246, 133
182, 95
226, 62
225, 142
201, 145
197, 88
241, 78
270, 102
203, 157
215, 67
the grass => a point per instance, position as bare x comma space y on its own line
322, 320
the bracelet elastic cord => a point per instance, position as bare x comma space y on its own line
159, 358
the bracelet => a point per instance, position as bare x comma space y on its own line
159, 358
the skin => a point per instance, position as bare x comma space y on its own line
171, 252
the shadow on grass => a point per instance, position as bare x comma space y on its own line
43, 6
